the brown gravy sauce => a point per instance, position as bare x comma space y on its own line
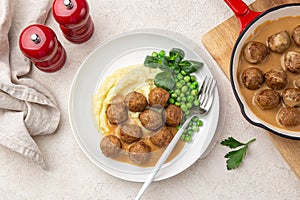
156, 152
272, 61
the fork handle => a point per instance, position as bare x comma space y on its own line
163, 158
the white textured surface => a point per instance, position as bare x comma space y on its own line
263, 175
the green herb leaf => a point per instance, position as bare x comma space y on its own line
176, 53
164, 80
152, 62
235, 158
190, 66
163, 64
231, 143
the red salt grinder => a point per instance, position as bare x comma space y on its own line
39, 43
74, 19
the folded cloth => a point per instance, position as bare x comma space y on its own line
26, 107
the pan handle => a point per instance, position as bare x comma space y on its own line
244, 14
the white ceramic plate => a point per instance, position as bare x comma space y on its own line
121, 51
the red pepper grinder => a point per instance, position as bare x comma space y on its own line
74, 19
39, 43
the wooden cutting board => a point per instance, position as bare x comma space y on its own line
220, 41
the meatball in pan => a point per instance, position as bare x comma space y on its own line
297, 82
291, 97
110, 146
136, 101
289, 116
292, 61
276, 79
255, 52
130, 133
252, 78
296, 35
158, 96
279, 42
267, 99
139, 152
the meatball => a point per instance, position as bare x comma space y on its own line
152, 120
130, 133
116, 113
297, 82
279, 42
139, 153
110, 146
173, 130
291, 97
158, 96
289, 116
252, 78
292, 61
267, 99
276, 79
255, 52
173, 115
296, 35
162, 137
136, 101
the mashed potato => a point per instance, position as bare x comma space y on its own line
121, 82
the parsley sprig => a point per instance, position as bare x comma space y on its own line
235, 157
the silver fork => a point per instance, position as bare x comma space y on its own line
206, 97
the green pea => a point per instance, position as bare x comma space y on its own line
187, 78
188, 138
182, 137
184, 89
182, 82
193, 78
196, 102
187, 113
192, 86
195, 128
162, 53
179, 76
177, 91
182, 95
177, 104
183, 99
183, 72
184, 108
190, 98
174, 95
178, 85
155, 54
199, 122
189, 105
195, 119
178, 99
171, 101
190, 132
194, 92
195, 84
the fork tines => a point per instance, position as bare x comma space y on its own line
206, 90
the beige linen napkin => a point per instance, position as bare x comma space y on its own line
26, 107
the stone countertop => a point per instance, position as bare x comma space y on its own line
71, 175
